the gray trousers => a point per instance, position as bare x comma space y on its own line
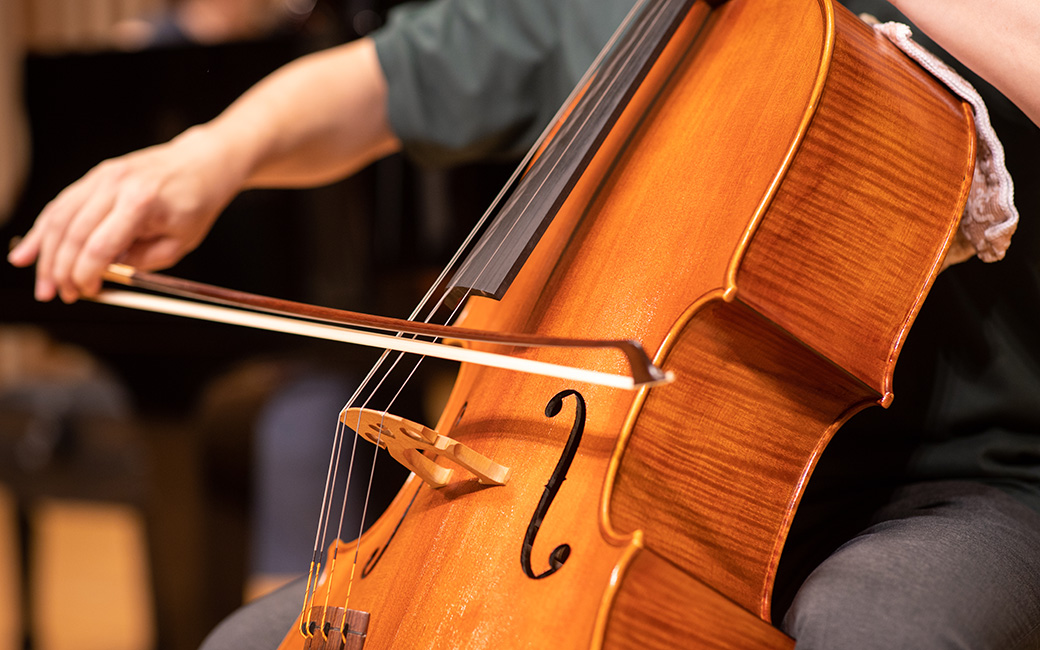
943, 565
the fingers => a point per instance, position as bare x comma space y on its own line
106, 242
64, 251
152, 254
25, 253
63, 228
152, 206
39, 244
91, 224
25, 250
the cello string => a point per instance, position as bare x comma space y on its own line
419, 361
364, 514
411, 374
321, 535
335, 551
579, 88
652, 20
593, 69
326, 507
487, 214
522, 166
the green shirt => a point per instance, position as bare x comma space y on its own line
475, 78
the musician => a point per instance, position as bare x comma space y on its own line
921, 528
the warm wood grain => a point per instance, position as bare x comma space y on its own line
838, 258
729, 458
659, 607
878, 184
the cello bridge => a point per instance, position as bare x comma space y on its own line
414, 446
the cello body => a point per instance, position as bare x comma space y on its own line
766, 216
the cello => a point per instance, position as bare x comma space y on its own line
764, 209
773, 200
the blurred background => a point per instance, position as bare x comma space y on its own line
155, 473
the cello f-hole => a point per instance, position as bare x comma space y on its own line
560, 554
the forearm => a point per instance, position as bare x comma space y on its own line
998, 39
315, 120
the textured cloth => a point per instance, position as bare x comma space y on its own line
920, 568
990, 216
469, 79
260, 625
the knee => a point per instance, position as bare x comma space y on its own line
831, 614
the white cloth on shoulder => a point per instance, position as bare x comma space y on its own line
990, 216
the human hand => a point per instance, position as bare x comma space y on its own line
147, 209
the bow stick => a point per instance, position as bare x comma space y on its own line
338, 325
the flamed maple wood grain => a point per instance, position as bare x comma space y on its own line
730, 458
839, 259
877, 184
682, 608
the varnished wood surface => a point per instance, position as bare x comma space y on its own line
685, 487
878, 184
659, 607
840, 260
730, 459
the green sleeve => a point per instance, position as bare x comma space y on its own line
473, 79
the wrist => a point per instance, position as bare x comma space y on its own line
227, 159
